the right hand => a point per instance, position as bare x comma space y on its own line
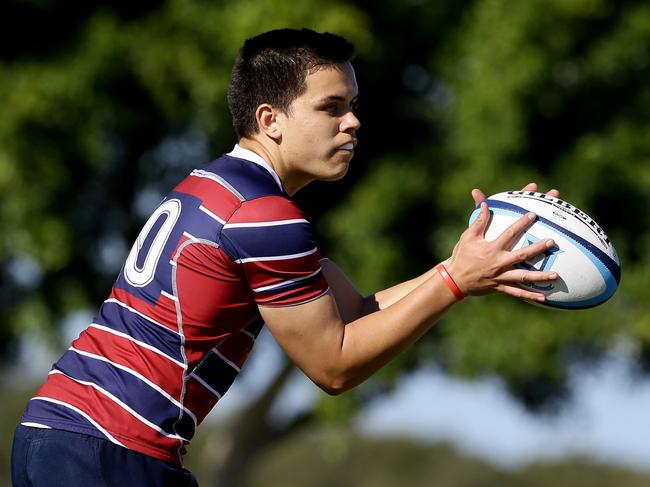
481, 267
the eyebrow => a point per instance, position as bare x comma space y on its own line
331, 98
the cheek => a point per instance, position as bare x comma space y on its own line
315, 136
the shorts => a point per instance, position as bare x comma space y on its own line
44, 457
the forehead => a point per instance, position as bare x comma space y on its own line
338, 81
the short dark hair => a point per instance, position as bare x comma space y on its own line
272, 68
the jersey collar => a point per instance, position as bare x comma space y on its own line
240, 153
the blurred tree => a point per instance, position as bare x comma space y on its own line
100, 123
553, 92
102, 115
106, 106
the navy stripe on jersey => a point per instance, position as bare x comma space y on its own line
196, 224
254, 327
120, 318
185, 427
201, 225
123, 385
266, 242
251, 180
178, 304
216, 373
67, 414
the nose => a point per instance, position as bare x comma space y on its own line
350, 122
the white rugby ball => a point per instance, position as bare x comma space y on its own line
584, 258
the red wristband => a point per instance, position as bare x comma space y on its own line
449, 281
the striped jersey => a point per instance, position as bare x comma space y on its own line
183, 313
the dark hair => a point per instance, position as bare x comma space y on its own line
272, 68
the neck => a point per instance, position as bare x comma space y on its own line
270, 152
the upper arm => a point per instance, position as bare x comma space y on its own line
311, 334
273, 245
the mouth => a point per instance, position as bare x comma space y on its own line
347, 147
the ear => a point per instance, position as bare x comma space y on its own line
267, 121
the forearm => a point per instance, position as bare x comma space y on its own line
339, 343
372, 341
383, 299
352, 305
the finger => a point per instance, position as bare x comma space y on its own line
482, 220
520, 293
478, 196
526, 253
521, 276
513, 233
554, 192
530, 187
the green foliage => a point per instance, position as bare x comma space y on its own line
490, 93
370, 232
89, 127
552, 92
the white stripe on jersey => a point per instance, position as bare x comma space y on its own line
222, 357
190, 237
276, 257
79, 411
206, 385
139, 376
211, 215
169, 296
200, 173
133, 310
285, 283
29, 424
139, 343
264, 224
246, 332
133, 413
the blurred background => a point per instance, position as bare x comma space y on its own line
105, 105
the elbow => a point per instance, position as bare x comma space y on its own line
335, 385
332, 390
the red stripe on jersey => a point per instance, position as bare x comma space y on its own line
163, 372
200, 272
267, 209
296, 295
163, 312
216, 198
118, 422
198, 399
236, 348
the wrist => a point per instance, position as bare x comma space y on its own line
450, 282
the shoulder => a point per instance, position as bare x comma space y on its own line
244, 178
267, 227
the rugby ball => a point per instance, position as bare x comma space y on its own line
583, 256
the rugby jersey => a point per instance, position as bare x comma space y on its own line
183, 313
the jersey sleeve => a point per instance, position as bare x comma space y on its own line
273, 242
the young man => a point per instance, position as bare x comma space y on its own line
226, 251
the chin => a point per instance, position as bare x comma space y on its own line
339, 173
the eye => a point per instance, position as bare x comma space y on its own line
331, 108
354, 106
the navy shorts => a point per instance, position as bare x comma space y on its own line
51, 458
